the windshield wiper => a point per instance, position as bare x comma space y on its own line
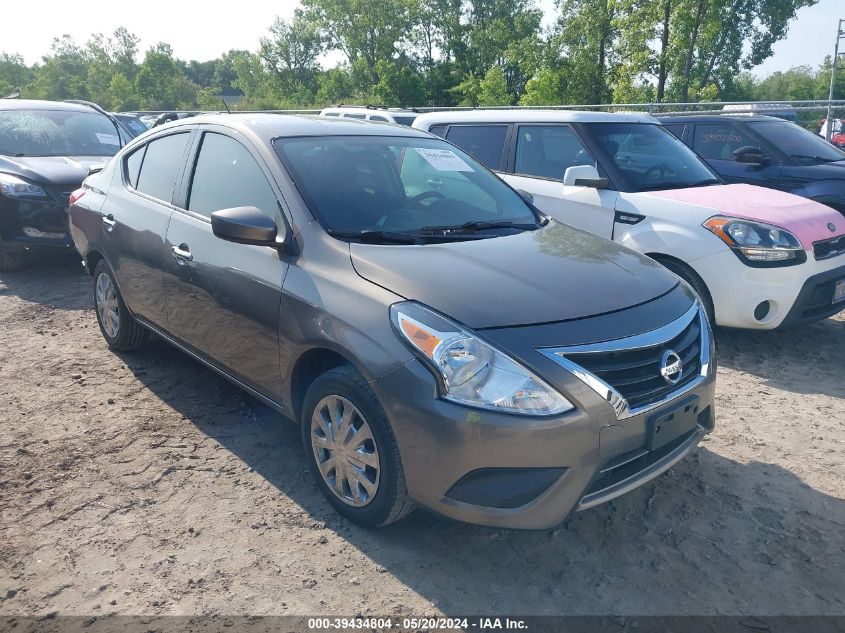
820, 159
370, 235
681, 185
480, 225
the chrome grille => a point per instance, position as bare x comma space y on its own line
825, 249
627, 372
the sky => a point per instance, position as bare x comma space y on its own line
203, 30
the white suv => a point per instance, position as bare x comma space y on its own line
759, 258
371, 113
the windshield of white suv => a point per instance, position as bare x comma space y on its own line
800, 145
401, 189
646, 157
57, 133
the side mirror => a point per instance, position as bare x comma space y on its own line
525, 196
584, 176
750, 154
244, 225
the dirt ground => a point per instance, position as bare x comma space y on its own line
145, 484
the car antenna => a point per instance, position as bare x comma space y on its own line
228, 111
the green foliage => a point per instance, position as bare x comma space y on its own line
447, 52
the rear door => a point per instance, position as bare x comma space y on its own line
716, 142
223, 299
540, 155
136, 213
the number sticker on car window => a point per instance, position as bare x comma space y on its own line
108, 139
443, 159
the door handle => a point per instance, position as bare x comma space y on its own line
109, 222
182, 253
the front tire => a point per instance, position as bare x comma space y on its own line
351, 450
10, 261
120, 329
697, 283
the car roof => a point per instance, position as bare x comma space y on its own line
270, 125
37, 104
530, 116
717, 118
366, 110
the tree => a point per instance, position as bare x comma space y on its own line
493, 89
160, 81
291, 55
365, 31
587, 32
14, 73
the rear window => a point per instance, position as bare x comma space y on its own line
57, 133
404, 120
485, 143
160, 167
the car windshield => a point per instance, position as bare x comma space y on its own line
57, 133
646, 157
800, 145
401, 189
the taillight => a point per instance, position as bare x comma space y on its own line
74, 196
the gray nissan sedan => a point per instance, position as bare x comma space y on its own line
439, 341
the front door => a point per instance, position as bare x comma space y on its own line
223, 299
540, 158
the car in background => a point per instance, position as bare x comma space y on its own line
768, 152
130, 123
47, 148
376, 114
783, 111
437, 339
758, 258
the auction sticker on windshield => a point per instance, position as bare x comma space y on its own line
839, 291
108, 139
443, 159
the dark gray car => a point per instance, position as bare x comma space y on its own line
439, 341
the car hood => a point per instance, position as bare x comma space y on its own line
809, 221
553, 274
53, 170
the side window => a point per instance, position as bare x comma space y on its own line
354, 116
376, 117
331, 114
225, 176
485, 143
438, 130
133, 165
718, 142
161, 165
546, 151
677, 129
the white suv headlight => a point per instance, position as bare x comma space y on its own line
757, 242
471, 371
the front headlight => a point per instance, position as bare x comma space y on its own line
472, 372
756, 241
17, 188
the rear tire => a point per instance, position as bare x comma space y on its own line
120, 329
11, 261
697, 283
362, 479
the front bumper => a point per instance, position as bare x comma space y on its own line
790, 292
524, 472
35, 224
